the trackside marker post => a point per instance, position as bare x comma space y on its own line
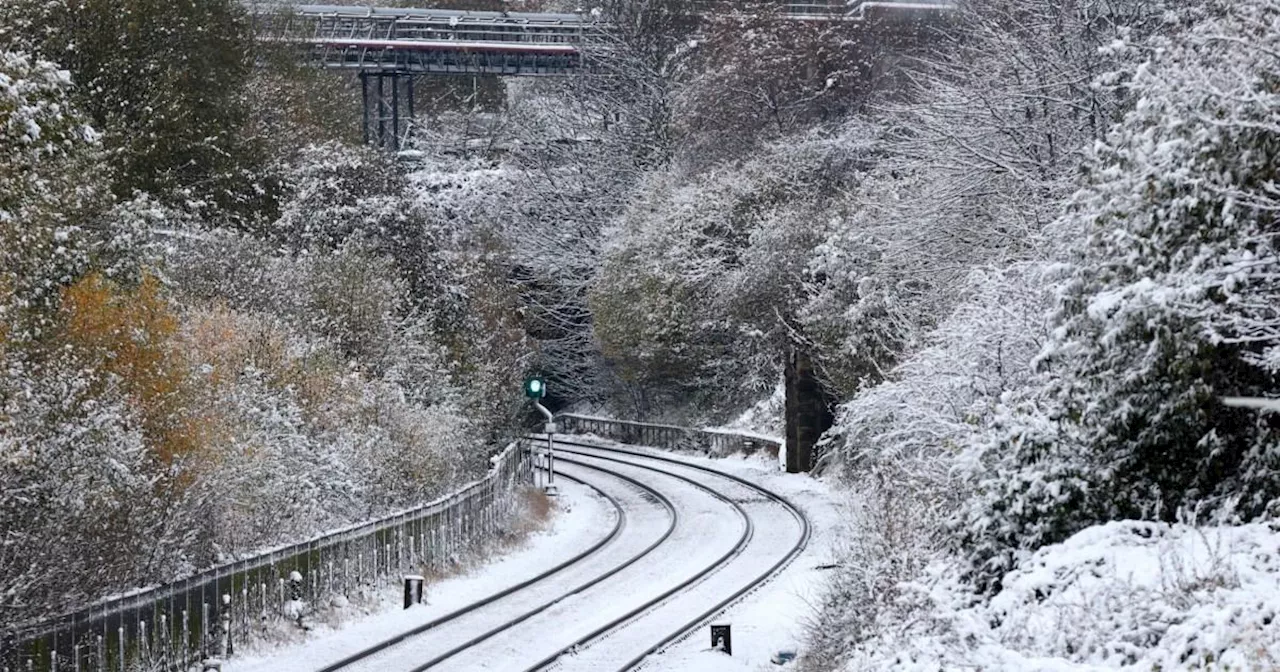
721, 639
536, 388
413, 590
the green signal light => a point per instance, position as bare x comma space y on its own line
535, 388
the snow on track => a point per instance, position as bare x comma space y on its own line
776, 533
646, 522
708, 529
705, 548
774, 616
583, 520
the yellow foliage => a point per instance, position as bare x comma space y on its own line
127, 334
223, 343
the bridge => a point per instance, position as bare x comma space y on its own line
389, 47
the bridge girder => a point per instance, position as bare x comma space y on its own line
389, 46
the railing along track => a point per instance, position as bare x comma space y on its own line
407, 636
618, 526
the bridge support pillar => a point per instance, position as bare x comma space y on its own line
388, 108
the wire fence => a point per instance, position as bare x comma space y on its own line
672, 437
180, 624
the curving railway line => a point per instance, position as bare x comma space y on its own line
746, 571
686, 542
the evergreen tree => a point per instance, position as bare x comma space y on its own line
1169, 307
49, 163
164, 81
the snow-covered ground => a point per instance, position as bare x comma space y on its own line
581, 518
1133, 595
763, 622
773, 617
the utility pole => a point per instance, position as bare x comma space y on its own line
536, 389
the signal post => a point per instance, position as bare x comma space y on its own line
536, 388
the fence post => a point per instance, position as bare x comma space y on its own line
400, 548
226, 647
204, 629
244, 606
167, 641
186, 638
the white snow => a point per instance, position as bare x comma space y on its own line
1138, 595
581, 519
775, 616
764, 621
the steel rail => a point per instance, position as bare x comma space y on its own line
748, 533
675, 518
685, 629
618, 526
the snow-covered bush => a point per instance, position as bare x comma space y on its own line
897, 446
1168, 307
334, 192
45, 147
355, 299
935, 404
77, 490
697, 290
890, 537
1131, 595
304, 441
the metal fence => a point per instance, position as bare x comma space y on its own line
176, 625
709, 441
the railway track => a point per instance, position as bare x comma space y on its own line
676, 611
690, 626
373, 658
618, 526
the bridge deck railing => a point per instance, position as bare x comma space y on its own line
329, 23
324, 23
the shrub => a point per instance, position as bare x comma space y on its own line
1168, 308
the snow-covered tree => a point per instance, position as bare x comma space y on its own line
164, 84
45, 147
758, 75
1166, 308
697, 294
